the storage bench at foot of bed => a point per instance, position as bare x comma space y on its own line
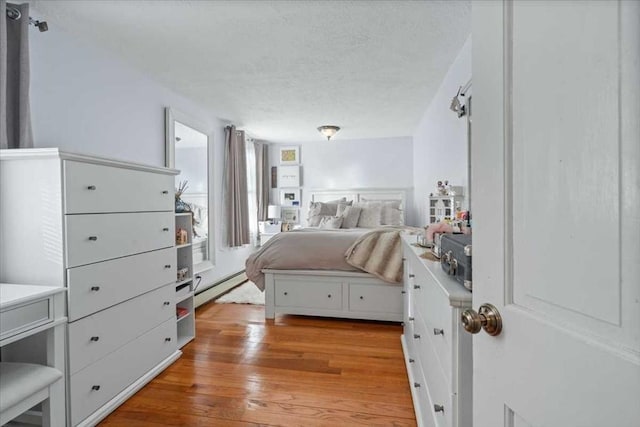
327, 293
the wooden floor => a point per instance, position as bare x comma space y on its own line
296, 371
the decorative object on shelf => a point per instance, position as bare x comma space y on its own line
443, 187
443, 208
182, 273
182, 237
287, 226
289, 176
328, 130
181, 312
182, 206
290, 155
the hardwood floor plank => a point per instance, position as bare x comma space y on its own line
295, 371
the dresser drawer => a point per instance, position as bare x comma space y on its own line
378, 298
439, 391
95, 385
97, 335
99, 237
97, 286
310, 294
438, 317
91, 188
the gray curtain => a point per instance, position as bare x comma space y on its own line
262, 177
15, 120
236, 199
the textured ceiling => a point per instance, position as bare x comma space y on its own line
279, 69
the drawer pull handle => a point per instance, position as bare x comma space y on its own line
165, 191
412, 276
403, 292
95, 288
416, 385
438, 408
411, 319
165, 229
404, 259
416, 286
167, 266
167, 339
93, 238
91, 187
361, 297
95, 339
329, 296
416, 336
95, 387
286, 293
412, 360
437, 331
166, 303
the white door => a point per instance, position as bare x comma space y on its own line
556, 211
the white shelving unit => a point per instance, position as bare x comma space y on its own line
442, 208
185, 314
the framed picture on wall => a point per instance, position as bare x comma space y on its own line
288, 176
290, 197
290, 214
290, 155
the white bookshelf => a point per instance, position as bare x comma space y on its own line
185, 311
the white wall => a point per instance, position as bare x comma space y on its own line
440, 140
85, 100
356, 163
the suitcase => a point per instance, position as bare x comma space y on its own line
455, 257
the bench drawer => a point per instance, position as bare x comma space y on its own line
310, 294
375, 298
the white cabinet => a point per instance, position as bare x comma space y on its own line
184, 287
104, 229
437, 350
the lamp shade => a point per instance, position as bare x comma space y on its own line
273, 212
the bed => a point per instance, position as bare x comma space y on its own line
308, 272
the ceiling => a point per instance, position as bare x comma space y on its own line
280, 69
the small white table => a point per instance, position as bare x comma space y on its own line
27, 377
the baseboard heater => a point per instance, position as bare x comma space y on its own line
219, 288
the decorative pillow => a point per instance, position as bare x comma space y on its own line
326, 208
391, 212
370, 215
350, 216
331, 222
314, 221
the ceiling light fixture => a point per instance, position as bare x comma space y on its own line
328, 130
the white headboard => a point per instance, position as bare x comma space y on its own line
359, 195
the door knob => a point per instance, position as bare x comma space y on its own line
487, 318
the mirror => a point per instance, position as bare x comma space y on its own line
188, 149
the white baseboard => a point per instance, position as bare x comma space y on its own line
219, 289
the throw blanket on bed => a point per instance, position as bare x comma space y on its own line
378, 252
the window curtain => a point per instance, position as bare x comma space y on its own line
236, 200
15, 120
262, 179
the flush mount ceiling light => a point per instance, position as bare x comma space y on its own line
328, 130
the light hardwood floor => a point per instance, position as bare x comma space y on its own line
295, 371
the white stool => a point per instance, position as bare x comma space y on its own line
24, 385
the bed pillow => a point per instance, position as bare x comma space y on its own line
315, 220
391, 212
331, 222
370, 215
350, 216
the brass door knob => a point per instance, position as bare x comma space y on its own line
487, 318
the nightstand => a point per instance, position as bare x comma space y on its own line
264, 237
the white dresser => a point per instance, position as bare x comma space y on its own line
436, 348
105, 230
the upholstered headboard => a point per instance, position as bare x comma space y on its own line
360, 195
